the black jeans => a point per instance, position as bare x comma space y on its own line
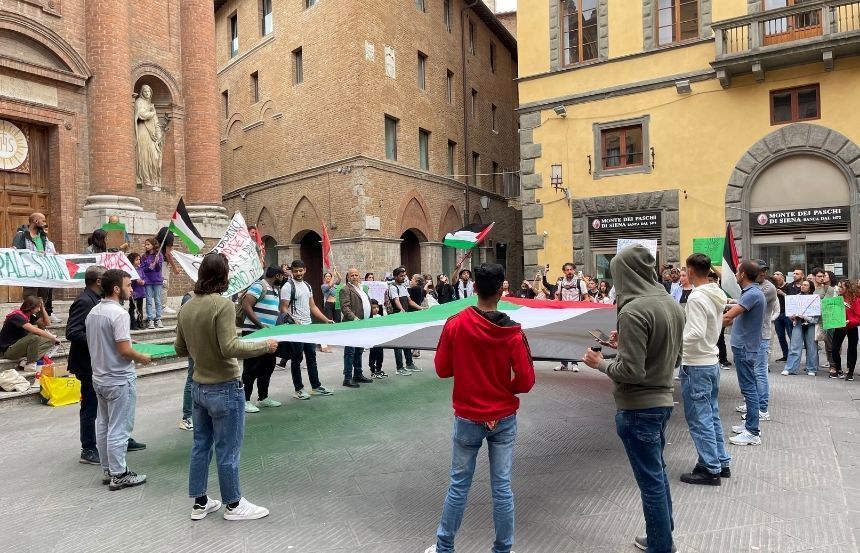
259, 369
839, 335
89, 410
721, 347
375, 359
330, 312
310, 354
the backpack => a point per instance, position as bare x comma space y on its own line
240, 313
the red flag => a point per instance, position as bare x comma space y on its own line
328, 260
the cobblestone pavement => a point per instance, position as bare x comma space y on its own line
366, 471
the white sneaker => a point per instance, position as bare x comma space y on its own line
186, 424
745, 438
575, 368
785, 373
431, 549
251, 408
301, 394
56, 320
169, 310
199, 513
741, 408
762, 416
268, 402
30, 367
245, 510
739, 428
150, 325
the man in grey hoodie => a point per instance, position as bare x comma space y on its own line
648, 339
700, 374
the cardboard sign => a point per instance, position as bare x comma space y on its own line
803, 305
833, 313
712, 247
650, 245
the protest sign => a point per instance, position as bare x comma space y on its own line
802, 305
376, 290
712, 247
117, 236
241, 252
79, 263
45, 270
650, 245
833, 313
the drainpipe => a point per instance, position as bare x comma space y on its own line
466, 153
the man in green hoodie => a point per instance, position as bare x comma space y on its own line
648, 339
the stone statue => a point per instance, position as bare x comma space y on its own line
149, 136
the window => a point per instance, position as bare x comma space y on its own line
579, 36
476, 164
794, 104
472, 39
225, 103
266, 9
622, 147
298, 67
310, 3
421, 5
422, 71
495, 176
424, 149
493, 115
234, 36
492, 57
449, 91
446, 15
452, 156
677, 20
390, 138
474, 102
255, 87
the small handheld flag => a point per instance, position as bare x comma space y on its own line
181, 226
730, 266
468, 237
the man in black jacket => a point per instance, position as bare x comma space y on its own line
79, 363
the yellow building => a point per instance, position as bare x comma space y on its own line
664, 119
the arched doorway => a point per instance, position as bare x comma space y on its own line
410, 251
310, 251
270, 246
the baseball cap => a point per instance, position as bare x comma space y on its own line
762, 264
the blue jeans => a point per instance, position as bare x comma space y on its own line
186, 393
782, 325
761, 375
219, 420
114, 423
643, 433
802, 336
352, 362
399, 354
745, 364
467, 439
700, 386
153, 293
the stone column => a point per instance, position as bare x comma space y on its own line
111, 123
200, 95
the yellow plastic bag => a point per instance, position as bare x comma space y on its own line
60, 391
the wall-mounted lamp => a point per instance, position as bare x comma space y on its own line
683, 87
485, 203
589, 163
560, 111
653, 157
555, 176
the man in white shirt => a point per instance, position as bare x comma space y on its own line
398, 301
297, 300
465, 287
700, 374
112, 359
354, 306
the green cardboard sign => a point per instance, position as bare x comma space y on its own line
833, 313
155, 350
712, 247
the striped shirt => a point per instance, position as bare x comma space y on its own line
265, 308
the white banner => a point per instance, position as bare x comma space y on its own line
650, 245
376, 290
46, 270
241, 252
803, 305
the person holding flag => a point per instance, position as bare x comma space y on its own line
180, 225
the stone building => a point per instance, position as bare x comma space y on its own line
72, 76
351, 114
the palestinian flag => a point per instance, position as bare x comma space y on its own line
467, 237
555, 329
181, 226
729, 269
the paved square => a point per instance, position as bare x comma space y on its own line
366, 471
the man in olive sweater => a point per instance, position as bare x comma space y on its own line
649, 337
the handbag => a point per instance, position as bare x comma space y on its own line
59, 391
13, 381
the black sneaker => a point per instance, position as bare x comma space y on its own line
89, 457
701, 478
642, 543
127, 480
362, 379
351, 384
726, 363
782, 359
725, 473
134, 445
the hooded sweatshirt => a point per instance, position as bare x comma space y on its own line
489, 358
704, 325
650, 333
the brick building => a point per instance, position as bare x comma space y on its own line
70, 72
351, 114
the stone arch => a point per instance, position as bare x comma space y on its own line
266, 223
305, 218
450, 220
268, 106
156, 76
414, 214
476, 218
69, 57
799, 138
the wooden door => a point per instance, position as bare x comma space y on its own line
22, 192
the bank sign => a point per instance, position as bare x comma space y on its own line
793, 217
631, 221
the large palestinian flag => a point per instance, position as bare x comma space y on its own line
555, 329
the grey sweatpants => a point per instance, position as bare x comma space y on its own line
114, 424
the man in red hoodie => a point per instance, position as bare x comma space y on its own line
488, 356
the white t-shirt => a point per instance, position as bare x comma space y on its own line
365, 301
300, 309
108, 323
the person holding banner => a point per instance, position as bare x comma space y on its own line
802, 337
24, 335
851, 296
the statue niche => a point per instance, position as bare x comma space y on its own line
149, 137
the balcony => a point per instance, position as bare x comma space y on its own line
818, 30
